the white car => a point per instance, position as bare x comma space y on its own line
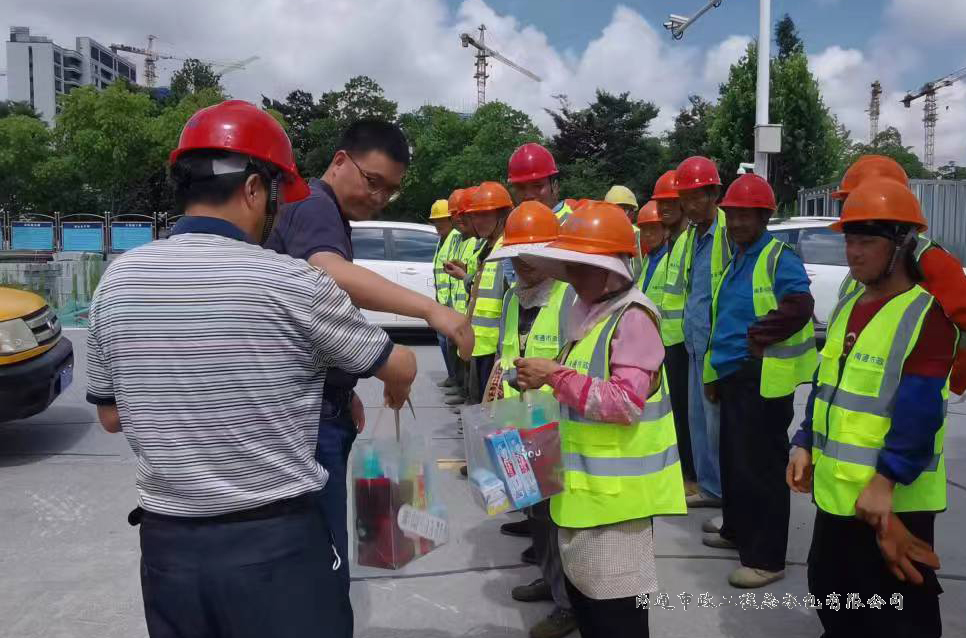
401, 252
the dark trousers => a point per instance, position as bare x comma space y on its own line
480, 369
845, 558
754, 455
676, 367
544, 533
613, 618
252, 579
337, 432
447, 359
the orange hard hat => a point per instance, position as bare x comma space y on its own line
570, 203
648, 214
881, 199
488, 196
696, 172
598, 228
465, 197
666, 186
455, 200
530, 223
750, 191
870, 166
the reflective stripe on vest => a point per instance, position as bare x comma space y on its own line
923, 244
487, 304
444, 252
655, 287
855, 401
637, 261
563, 213
465, 253
787, 364
614, 472
546, 334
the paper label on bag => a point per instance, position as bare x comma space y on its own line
422, 523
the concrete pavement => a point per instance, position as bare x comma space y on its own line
69, 560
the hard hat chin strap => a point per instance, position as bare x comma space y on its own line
271, 211
899, 248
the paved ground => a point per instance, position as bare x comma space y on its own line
68, 559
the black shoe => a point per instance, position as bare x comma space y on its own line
560, 623
534, 592
529, 556
463, 471
516, 528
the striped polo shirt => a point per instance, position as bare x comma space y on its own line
215, 352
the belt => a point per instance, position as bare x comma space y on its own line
274, 509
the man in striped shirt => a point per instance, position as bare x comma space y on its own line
210, 353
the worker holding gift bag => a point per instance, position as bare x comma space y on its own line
618, 443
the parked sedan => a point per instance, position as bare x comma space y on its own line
401, 252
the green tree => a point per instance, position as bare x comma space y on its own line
612, 136
690, 133
24, 145
889, 143
787, 38
194, 76
299, 110
9, 107
952, 171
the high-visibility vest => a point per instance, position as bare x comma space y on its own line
637, 262
546, 335
787, 364
855, 401
465, 253
655, 287
615, 472
486, 304
444, 252
923, 244
563, 213
679, 277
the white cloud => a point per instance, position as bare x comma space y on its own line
931, 19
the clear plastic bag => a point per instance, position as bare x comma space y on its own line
513, 451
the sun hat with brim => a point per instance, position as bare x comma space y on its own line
553, 261
514, 250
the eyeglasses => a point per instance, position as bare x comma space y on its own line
374, 183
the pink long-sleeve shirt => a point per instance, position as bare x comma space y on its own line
635, 358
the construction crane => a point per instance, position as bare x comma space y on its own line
482, 53
930, 111
874, 103
151, 58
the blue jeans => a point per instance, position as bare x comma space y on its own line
336, 435
704, 419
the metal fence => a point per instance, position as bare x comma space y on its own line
943, 204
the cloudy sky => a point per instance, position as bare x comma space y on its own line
411, 47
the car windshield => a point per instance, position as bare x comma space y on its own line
822, 246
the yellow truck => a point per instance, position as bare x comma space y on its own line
36, 360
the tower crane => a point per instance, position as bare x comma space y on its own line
482, 53
874, 103
151, 57
930, 111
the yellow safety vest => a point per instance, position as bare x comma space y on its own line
787, 364
466, 253
922, 245
637, 262
655, 287
487, 304
563, 213
614, 472
546, 334
854, 403
445, 250
679, 276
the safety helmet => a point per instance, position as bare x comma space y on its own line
529, 163
599, 228
881, 199
620, 195
455, 201
750, 191
666, 186
696, 172
530, 223
488, 196
870, 166
241, 127
648, 214
440, 210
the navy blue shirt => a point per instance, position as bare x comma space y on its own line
736, 308
315, 225
653, 259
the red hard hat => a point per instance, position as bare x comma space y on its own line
750, 191
529, 163
241, 127
697, 172
666, 186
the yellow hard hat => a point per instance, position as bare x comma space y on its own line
440, 210
620, 195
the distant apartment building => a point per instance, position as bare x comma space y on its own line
38, 70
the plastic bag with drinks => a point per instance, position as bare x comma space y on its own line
513, 451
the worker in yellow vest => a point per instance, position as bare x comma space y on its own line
675, 354
531, 325
459, 296
486, 208
762, 348
697, 262
624, 197
871, 447
533, 176
617, 434
652, 238
449, 238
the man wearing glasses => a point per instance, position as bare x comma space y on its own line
363, 177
